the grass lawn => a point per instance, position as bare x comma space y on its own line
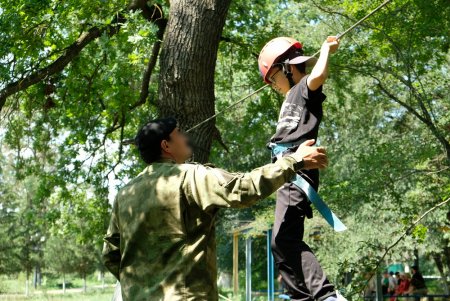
14, 289
97, 295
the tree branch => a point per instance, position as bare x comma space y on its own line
400, 102
122, 128
240, 44
218, 137
405, 233
57, 66
425, 119
152, 14
155, 15
408, 230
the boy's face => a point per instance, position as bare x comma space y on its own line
279, 81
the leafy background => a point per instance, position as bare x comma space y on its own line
386, 128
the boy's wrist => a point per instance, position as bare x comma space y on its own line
325, 50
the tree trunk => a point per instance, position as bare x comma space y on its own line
447, 149
187, 64
37, 276
446, 261
64, 283
84, 283
416, 258
440, 266
27, 282
102, 275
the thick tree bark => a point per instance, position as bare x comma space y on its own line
187, 63
440, 266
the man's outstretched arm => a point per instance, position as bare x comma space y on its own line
213, 187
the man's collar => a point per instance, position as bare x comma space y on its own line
166, 160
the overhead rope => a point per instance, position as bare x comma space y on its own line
266, 85
227, 108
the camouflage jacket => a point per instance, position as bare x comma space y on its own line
160, 242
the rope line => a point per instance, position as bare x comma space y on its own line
315, 54
227, 108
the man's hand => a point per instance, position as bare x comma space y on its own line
313, 157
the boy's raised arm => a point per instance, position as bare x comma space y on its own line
320, 71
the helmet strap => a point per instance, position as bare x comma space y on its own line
288, 73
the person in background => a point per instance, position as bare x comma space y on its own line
402, 287
370, 288
281, 286
404, 284
407, 279
417, 287
398, 278
392, 284
385, 283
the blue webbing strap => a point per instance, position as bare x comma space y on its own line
313, 196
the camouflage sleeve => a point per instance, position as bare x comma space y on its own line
214, 187
111, 248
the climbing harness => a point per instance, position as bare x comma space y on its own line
277, 151
266, 85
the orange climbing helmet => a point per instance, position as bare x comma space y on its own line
275, 49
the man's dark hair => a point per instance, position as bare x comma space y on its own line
152, 153
149, 137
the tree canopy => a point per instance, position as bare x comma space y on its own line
78, 78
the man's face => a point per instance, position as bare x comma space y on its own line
178, 146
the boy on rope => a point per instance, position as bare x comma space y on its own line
283, 66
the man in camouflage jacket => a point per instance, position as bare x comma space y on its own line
160, 242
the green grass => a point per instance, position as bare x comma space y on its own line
97, 295
13, 288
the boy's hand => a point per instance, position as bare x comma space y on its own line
313, 157
331, 44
